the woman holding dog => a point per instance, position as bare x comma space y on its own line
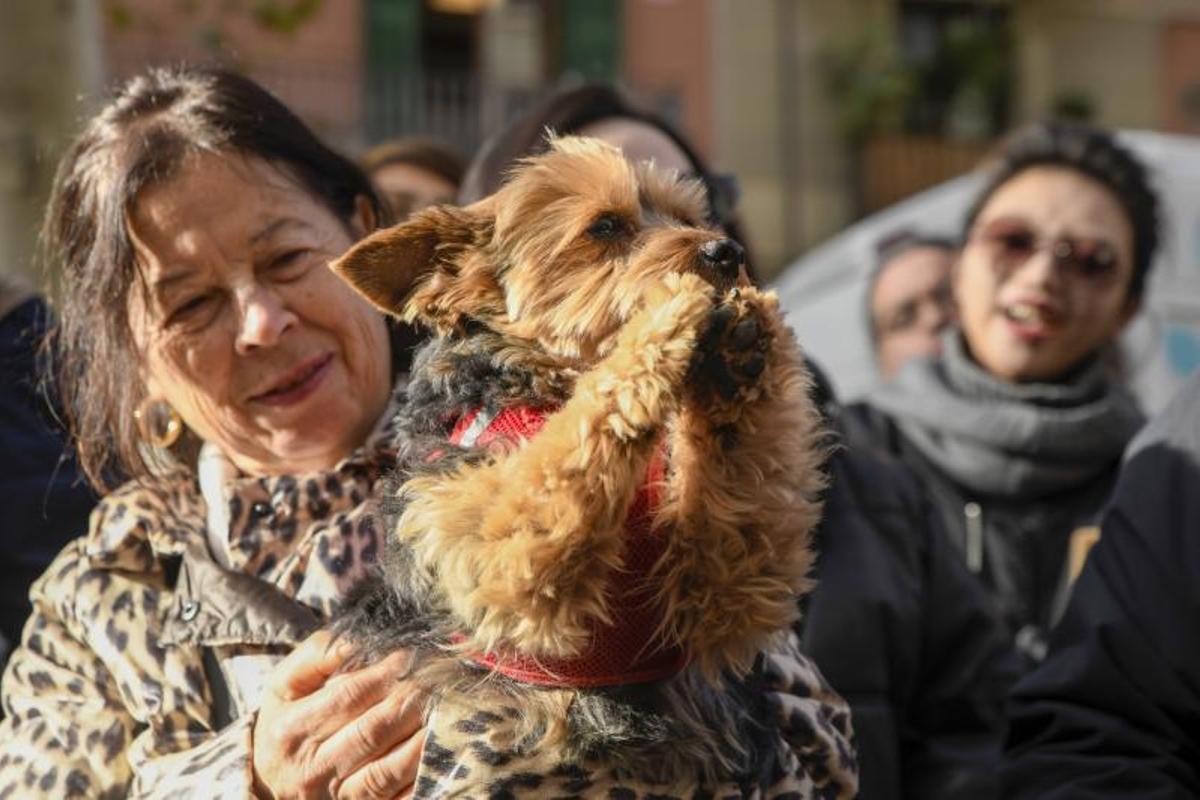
1018, 429
244, 397
209, 356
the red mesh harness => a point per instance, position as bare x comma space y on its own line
628, 651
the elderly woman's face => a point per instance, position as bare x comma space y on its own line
245, 331
1043, 279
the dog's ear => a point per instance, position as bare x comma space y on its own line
391, 265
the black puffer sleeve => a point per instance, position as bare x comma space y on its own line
1114, 711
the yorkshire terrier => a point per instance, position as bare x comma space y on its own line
609, 472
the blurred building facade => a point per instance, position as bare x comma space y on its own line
824, 109
49, 56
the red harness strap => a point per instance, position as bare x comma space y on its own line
626, 652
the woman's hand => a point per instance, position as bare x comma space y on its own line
349, 735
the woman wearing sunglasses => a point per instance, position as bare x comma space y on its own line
1019, 426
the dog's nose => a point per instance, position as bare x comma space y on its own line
724, 255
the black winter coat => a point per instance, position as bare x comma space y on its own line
1020, 547
905, 634
45, 499
1115, 709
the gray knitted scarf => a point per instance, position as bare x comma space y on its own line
1001, 438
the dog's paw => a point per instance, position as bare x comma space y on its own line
672, 315
677, 305
731, 354
678, 285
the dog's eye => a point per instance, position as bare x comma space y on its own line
607, 226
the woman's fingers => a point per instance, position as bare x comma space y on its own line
390, 722
347, 695
308, 667
316, 724
388, 777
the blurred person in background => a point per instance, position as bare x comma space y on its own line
413, 173
46, 502
1114, 711
1018, 428
896, 624
206, 351
909, 301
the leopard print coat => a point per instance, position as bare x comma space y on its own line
112, 691
122, 686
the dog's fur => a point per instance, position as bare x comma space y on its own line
580, 286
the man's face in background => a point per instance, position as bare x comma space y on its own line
911, 304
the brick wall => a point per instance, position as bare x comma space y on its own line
317, 68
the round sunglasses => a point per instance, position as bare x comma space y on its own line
1014, 241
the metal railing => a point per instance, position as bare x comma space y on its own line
459, 110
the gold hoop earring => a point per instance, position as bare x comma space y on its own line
158, 423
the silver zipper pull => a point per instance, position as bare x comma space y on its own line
973, 515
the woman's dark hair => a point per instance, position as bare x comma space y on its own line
1096, 154
139, 140
427, 154
566, 113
